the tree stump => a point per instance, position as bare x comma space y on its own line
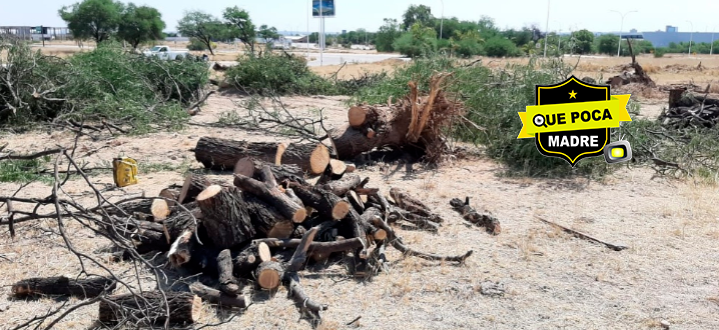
226, 219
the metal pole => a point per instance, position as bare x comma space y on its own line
546, 30
309, 15
691, 34
621, 27
441, 20
711, 47
322, 34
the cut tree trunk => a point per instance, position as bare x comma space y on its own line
160, 209
181, 249
217, 297
269, 274
63, 286
360, 116
675, 97
150, 306
342, 186
327, 204
266, 220
272, 195
172, 195
228, 283
223, 154
251, 168
225, 216
194, 184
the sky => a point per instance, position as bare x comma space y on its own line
292, 15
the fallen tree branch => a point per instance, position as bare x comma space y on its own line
583, 236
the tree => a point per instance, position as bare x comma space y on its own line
242, 26
203, 27
500, 47
387, 34
417, 14
583, 40
140, 24
418, 41
96, 19
607, 43
268, 33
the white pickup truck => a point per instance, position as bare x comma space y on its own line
164, 53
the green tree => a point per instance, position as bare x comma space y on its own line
418, 41
387, 34
95, 19
607, 43
203, 27
467, 44
242, 26
417, 14
582, 41
500, 47
140, 24
268, 33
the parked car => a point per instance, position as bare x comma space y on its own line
165, 53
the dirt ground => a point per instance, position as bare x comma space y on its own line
552, 280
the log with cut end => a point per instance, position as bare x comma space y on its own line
269, 274
272, 195
160, 209
338, 168
142, 207
217, 297
251, 168
151, 306
171, 195
63, 286
225, 216
370, 218
181, 249
223, 154
405, 201
327, 204
194, 184
298, 295
359, 116
342, 186
266, 219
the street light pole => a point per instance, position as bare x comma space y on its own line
711, 46
546, 31
441, 20
691, 37
621, 26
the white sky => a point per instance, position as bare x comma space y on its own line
652, 15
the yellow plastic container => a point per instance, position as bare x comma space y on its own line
125, 170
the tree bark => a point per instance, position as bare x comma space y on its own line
360, 116
63, 286
487, 220
194, 184
266, 219
342, 186
269, 274
251, 168
185, 307
172, 194
225, 216
217, 297
327, 204
272, 195
223, 154
228, 283
315, 247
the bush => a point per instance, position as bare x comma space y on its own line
468, 48
500, 47
659, 52
106, 83
492, 98
197, 45
281, 74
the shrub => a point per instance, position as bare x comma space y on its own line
106, 83
659, 52
271, 73
197, 45
500, 47
468, 48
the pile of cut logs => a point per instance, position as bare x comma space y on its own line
283, 207
690, 110
259, 227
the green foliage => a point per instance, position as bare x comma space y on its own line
24, 171
241, 26
492, 98
203, 27
467, 44
659, 52
387, 35
500, 47
268, 33
418, 41
140, 24
281, 74
607, 43
197, 45
96, 19
417, 14
582, 41
106, 83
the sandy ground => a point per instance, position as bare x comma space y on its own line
552, 280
